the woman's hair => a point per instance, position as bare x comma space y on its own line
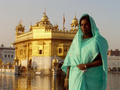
84, 17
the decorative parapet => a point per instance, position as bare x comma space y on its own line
20, 29
24, 36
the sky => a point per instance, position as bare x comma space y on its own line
106, 14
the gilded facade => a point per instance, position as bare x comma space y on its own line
42, 43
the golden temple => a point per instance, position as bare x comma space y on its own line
37, 47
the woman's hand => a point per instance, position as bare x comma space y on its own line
81, 66
66, 82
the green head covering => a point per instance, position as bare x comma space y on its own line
74, 55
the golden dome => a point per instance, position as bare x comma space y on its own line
20, 27
45, 22
74, 22
44, 18
55, 60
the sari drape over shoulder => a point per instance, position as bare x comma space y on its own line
83, 51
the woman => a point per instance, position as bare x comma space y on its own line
86, 62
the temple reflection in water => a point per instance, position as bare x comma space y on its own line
12, 82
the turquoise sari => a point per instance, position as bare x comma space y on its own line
83, 51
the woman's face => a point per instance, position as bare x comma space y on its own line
85, 27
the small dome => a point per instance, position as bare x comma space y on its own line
55, 60
45, 22
75, 21
44, 18
20, 27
